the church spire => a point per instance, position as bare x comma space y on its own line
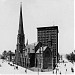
21, 31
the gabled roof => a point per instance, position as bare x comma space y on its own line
34, 46
42, 49
31, 47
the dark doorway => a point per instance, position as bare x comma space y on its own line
32, 60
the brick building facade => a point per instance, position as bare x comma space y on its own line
48, 36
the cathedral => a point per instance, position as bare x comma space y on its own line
36, 54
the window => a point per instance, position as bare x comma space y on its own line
28, 50
32, 49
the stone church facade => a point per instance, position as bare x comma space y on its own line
44, 58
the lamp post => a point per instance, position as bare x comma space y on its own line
56, 71
29, 62
38, 71
40, 57
35, 54
52, 56
28, 57
26, 66
60, 72
65, 71
53, 71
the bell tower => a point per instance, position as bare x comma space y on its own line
20, 37
20, 40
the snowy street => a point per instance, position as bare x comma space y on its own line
7, 69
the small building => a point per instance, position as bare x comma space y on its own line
11, 57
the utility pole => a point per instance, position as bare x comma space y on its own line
28, 57
40, 57
52, 56
35, 54
38, 71
26, 64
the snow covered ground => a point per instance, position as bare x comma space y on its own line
7, 69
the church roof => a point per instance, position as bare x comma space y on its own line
31, 47
34, 46
42, 49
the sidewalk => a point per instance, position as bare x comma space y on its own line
35, 69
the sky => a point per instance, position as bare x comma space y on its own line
36, 13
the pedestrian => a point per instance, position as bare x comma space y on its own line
65, 65
72, 69
14, 67
66, 69
38, 71
56, 71
17, 67
63, 61
25, 71
53, 71
60, 72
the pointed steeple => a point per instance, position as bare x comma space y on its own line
21, 31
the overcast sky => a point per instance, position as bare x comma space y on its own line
36, 13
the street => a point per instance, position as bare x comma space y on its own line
5, 68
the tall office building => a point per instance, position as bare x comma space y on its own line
48, 36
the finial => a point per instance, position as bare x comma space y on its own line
53, 23
20, 2
21, 7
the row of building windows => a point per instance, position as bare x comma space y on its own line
46, 34
41, 37
47, 31
47, 40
